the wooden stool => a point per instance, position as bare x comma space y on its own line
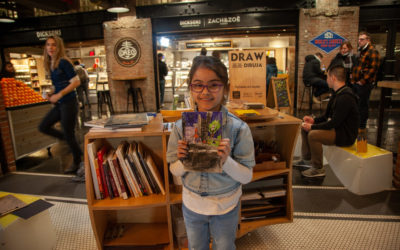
134, 93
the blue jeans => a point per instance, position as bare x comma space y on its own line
66, 113
320, 87
222, 229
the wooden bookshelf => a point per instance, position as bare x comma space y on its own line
148, 220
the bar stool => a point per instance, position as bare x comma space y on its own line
134, 93
103, 97
310, 90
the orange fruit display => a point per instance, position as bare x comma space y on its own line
17, 93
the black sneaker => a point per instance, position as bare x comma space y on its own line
72, 169
313, 172
81, 170
78, 178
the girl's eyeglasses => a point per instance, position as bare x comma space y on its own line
198, 88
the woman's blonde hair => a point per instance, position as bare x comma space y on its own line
49, 63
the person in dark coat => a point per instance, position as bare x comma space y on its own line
314, 76
346, 58
162, 73
272, 70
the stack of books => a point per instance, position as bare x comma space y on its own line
127, 171
123, 122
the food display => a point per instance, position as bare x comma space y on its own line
17, 93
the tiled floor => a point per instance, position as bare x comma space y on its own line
326, 215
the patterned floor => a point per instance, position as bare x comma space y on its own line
308, 231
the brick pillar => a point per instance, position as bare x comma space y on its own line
6, 137
128, 25
312, 22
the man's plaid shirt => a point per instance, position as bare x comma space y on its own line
367, 66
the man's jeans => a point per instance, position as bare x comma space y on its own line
320, 87
311, 146
222, 229
363, 92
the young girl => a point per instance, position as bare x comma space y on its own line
211, 200
65, 108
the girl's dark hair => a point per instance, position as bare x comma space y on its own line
214, 64
211, 63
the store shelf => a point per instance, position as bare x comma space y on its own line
118, 203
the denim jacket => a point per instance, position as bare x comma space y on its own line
242, 151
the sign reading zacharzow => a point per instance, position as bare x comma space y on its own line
247, 75
127, 52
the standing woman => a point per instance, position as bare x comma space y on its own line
346, 58
272, 70
65, 109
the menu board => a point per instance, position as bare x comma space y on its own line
281, 92
247, 75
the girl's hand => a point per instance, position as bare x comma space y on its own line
182, 149
224, 149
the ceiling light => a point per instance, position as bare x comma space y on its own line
118, 7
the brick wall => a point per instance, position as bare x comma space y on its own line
312, 22
140, 30
6, 137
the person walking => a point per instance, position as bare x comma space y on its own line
162, 73
83, 89
65, 109
338, 126
364, 75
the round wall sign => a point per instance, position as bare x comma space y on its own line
127, 52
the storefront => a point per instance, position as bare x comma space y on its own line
180, 39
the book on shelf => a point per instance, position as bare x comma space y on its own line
263, 194
146, 170
121, 152
92, 148
120, 177
202, 131
137, 169
100, 156
154, 171
108, 179
98, 123
127, 120
114, 174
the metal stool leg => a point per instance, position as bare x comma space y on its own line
141, 97
302, 97
108, 101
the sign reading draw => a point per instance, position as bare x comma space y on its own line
127, 52
327, 41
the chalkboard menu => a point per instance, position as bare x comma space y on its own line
281, 92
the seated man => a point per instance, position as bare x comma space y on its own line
314, 76
338, 126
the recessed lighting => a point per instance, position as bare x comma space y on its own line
118, 9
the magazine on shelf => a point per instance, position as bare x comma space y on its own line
127, 121
203, 132
98, 123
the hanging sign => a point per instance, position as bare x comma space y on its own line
247, 75
209, 44
127, 52
327, 41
